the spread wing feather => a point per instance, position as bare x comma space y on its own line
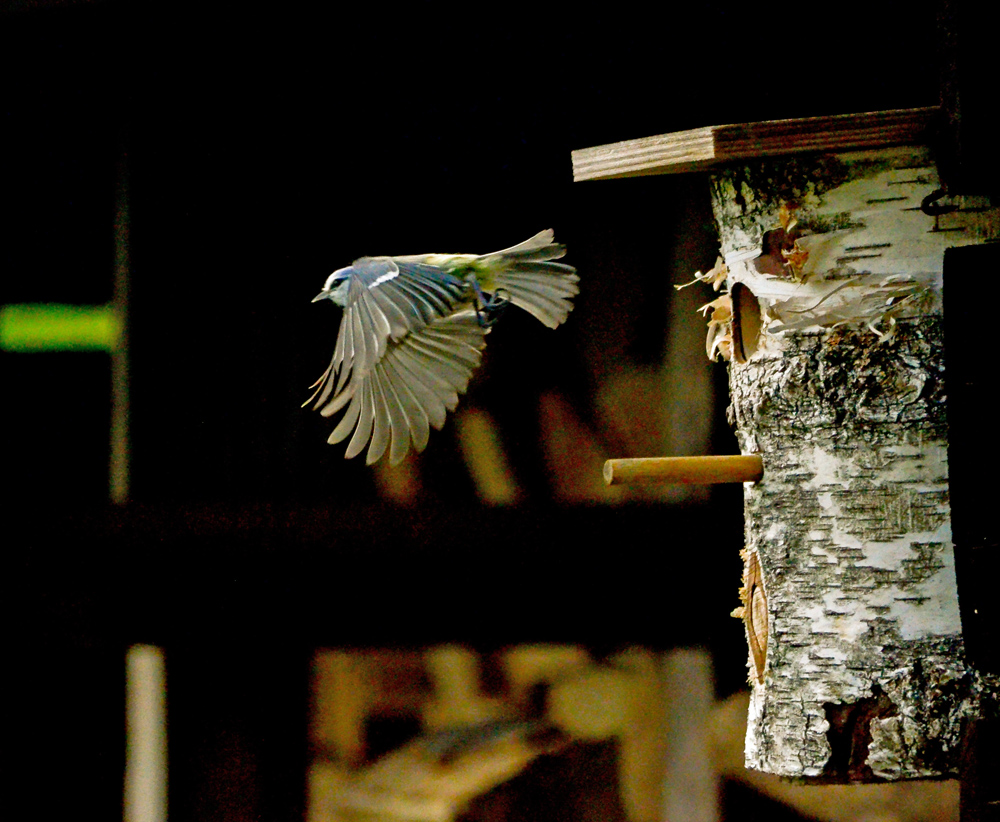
363, 431
409, 389
381, 427
436, 291
413, 408
384, 301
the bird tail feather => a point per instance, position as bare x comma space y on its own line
527, 276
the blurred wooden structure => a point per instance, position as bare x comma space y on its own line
558, 709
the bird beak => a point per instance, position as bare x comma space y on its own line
323, 295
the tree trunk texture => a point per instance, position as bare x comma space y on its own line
850, 600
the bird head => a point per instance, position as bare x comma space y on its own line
335, 287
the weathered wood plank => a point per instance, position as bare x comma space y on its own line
701, 148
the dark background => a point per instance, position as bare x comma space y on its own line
264, 146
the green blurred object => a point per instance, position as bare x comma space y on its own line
31, 327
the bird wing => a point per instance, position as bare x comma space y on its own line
410, 293
410, 337
409, 389
385, 301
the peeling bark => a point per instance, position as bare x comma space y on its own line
842, 393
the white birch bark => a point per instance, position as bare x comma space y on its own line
863, 676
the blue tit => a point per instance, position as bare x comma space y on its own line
413, 330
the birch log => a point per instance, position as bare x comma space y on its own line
837, 381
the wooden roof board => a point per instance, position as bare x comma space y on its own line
701, 148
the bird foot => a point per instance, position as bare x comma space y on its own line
491, 307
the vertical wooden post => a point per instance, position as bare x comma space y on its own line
146, 735
120, 452
690, 782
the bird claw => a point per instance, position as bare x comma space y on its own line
492, 307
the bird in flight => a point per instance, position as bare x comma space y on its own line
413, 330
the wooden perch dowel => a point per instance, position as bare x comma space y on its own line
690, 470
